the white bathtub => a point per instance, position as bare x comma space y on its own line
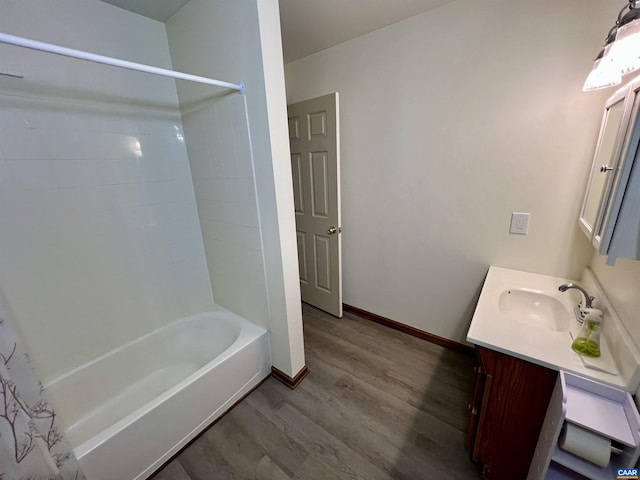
129, 411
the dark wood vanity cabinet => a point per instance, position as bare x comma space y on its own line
509, 406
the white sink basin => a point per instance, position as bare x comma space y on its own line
534, 308
524, 315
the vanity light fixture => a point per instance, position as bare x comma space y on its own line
625, 51
604, 73
621, 52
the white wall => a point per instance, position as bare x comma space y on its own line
450, 121
240, 41
620, 284
99, 235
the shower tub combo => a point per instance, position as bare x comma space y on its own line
128, 411
158, 392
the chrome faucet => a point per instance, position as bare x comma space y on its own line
588, 300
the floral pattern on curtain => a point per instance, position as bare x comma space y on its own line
32, 442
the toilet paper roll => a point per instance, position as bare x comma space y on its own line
585, 444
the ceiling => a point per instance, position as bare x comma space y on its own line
161, 10
309, 26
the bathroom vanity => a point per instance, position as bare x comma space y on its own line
521, 329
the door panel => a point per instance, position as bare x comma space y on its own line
315, 165
302, 257
296, 170
294, 128
319, 184
322, 264
317, 125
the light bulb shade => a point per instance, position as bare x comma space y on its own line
603, 75
625, 51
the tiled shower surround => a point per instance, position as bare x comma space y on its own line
114, 220
99, 234
220, 156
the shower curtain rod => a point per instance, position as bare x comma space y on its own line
116, 62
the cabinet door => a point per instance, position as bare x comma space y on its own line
475, 407
625, 240
512, 413
612, 221
607, 151
611, 209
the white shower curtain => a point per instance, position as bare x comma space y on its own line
32, 443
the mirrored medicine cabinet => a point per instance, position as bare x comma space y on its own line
610, 214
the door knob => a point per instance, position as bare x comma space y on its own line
605, 168
332, 230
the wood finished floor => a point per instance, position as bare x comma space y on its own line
377, 405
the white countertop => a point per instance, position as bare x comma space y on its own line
493, 329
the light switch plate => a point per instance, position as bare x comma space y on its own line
519, 223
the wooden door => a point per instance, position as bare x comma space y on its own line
315, 164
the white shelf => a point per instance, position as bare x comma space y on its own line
605, 410
605, 416
559, 472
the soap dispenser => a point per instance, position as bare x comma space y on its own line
587, 341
